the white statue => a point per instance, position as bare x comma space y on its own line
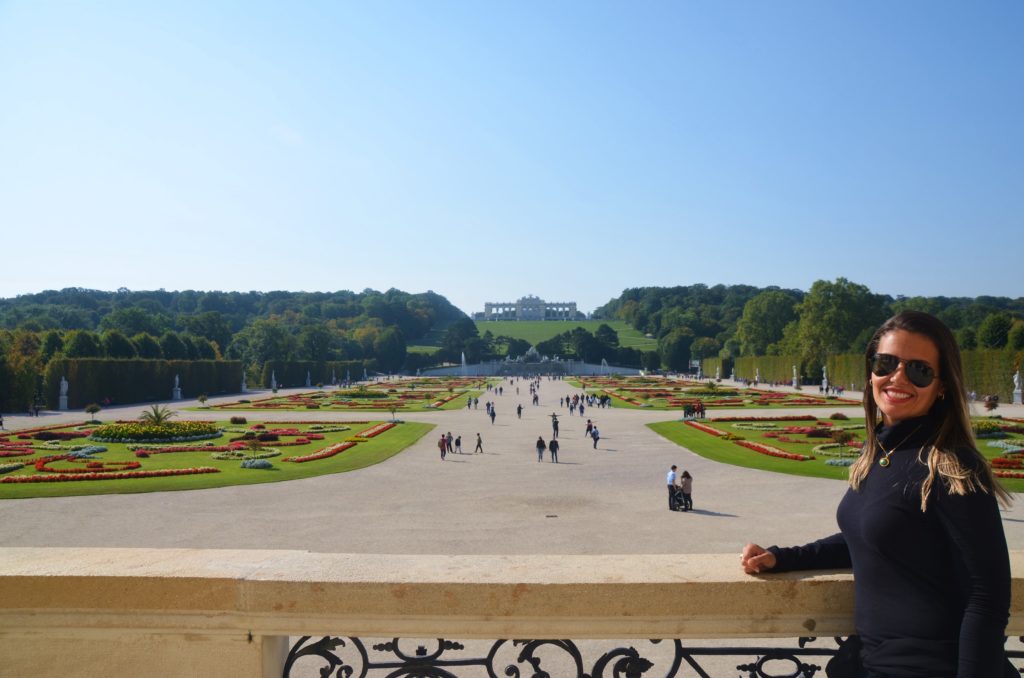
176, 385
1016, 381
63, 386
794, 374
824, 372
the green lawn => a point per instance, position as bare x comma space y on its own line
372, 451
728, 452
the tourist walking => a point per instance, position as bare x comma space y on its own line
590, 429
596, 435
553, 448
493, 415
458, 444
686, 487
670, 480
479, 445
541, 446
554, 425
519, 411
919, 523
448, 441
442, 444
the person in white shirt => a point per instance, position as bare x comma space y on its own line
671, 481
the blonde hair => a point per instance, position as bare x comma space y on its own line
955, 432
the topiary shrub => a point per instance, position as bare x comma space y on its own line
839, 416
239, 420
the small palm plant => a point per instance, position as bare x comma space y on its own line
157, 414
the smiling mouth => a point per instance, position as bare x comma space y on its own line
898, 396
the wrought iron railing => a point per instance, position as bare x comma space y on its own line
415, 658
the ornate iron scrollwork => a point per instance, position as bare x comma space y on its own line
440, 658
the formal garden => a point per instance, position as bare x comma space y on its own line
675, 394
824, 447
156, 454
403, 395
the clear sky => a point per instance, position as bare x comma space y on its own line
491, 150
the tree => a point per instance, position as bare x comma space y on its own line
674, 349
116, 345
1015, 337
202, 398
994, 331
704, 347
147, 347
389, 349
173, 347
833, 315
967, 339
650, 360
134, 320
212, 325
82, 344
157, 414
91, 409
606, 335
51, 346
763, 321
315, 342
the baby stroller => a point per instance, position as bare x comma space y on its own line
676, 500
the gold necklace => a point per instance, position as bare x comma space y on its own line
884, 461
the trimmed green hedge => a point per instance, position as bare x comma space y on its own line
94, 380
292, 373
987, 371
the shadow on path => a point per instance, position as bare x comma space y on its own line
705, 512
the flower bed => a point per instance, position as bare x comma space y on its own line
801, 417
127, 475
325, 453
137, 432
376, 430
42, 465
772, 451
705, 428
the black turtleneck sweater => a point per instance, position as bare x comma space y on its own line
932, 588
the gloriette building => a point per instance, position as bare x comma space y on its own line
529, 308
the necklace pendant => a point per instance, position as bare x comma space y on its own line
883, 462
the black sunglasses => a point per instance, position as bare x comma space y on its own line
918, 372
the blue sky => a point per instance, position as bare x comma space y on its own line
491, 150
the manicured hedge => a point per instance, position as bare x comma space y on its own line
95, 380
292, 373
987, 371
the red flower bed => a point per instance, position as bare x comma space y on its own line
322, 454
1004, 462
16, 451
707, 429
63, 477
1008, 474
47, 428
376, 430
90, 466
772, 451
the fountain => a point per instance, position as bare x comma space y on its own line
463, 363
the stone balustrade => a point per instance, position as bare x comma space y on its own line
195, 612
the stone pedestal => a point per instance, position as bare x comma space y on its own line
1018, 397
63, 404
176, 394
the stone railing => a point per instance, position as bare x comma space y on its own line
192, 612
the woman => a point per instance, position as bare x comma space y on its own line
920, 524
686, 487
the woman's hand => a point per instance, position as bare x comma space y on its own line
755, 559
